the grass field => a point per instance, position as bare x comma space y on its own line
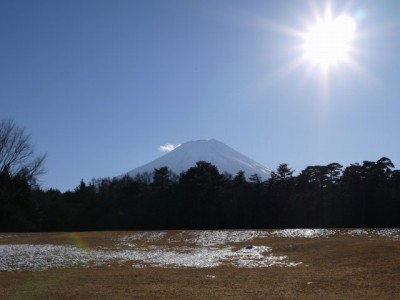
285, 264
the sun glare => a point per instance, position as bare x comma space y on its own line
326, 45
329, 40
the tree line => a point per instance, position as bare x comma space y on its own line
359, 195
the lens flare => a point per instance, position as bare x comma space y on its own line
75, 240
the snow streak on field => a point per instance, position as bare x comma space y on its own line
188, 249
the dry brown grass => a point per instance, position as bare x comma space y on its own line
338, 267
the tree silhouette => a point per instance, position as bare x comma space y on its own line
17, 154
200, 188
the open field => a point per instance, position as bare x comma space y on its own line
282, 264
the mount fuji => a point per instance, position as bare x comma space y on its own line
212, 151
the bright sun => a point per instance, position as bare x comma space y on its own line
326, 45
329, 40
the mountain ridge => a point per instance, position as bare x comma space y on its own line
225, 158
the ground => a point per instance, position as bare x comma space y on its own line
337, 266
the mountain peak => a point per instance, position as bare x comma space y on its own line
213, 151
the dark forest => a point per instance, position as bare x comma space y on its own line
360, 195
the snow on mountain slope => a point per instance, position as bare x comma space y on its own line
223, 157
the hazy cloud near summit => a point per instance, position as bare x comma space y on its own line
168, 147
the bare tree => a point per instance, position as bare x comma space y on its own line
17, 155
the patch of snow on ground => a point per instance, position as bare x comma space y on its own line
357, 232
210, 249
206, 249
303, 233
40, 257
255, 258
213, 238
392, 233
146, 236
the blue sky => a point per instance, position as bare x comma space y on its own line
101, 85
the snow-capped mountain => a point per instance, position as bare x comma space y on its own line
220, 155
